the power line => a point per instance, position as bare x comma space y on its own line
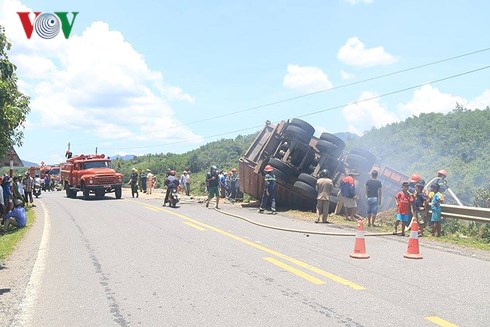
327, 109
319, 92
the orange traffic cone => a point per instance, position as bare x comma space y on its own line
360, 244
413, 251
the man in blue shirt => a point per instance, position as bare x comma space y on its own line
269, 194
16, 217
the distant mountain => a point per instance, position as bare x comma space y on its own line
347, 136
29, 164
126, 157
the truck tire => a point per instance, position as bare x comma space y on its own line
73, 194
308, 179
280, 175
330, 148
86, 192
282, 166
305, 189
297, 133
310, 130
67, 190
333, 139
358, 163
118, 192
371, 158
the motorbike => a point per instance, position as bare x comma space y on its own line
37, 191
173, 197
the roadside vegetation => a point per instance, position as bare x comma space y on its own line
8, 241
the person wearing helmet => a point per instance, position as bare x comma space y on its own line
133, 181
324, 187
373, 194
441, 180
269, 195
170, 182
212, 183
17, 217
412, 181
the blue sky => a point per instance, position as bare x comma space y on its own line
137, 76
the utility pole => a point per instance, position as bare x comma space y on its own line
11, 172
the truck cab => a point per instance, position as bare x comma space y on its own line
90, 174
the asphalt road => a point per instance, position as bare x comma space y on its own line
132, 262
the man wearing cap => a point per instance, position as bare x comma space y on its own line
133, 180
150, 178
269, 195
17, 217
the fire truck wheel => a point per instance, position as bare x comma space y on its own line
308, 179
297, 133
371, 158
282, 166
305, 189
333, 139
67, 190
118, 192
310, 130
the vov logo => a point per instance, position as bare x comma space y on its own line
47, 25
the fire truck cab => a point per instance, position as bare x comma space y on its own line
90, 174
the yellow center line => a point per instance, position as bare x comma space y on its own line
193, 225
295, 271
440, 322
302, 264
151, 208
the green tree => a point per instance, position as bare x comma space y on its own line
14, 106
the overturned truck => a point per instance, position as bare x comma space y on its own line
297, 158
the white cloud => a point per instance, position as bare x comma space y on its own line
355, 2
480, 102
364, 114
429, 99
95, 82
346, 76
354, 53
306, 79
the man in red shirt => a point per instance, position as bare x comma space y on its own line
403, 202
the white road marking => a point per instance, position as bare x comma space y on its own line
26, 308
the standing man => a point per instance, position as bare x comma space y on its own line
187, 184
133, 180
269, 195
28, 187
233, 182
150, 178
144, 181
348, 191
373, 193
323, 186
212, 183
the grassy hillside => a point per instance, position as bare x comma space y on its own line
457, 142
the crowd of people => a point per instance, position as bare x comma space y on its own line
16, 193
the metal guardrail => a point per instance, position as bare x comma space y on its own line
480, 215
